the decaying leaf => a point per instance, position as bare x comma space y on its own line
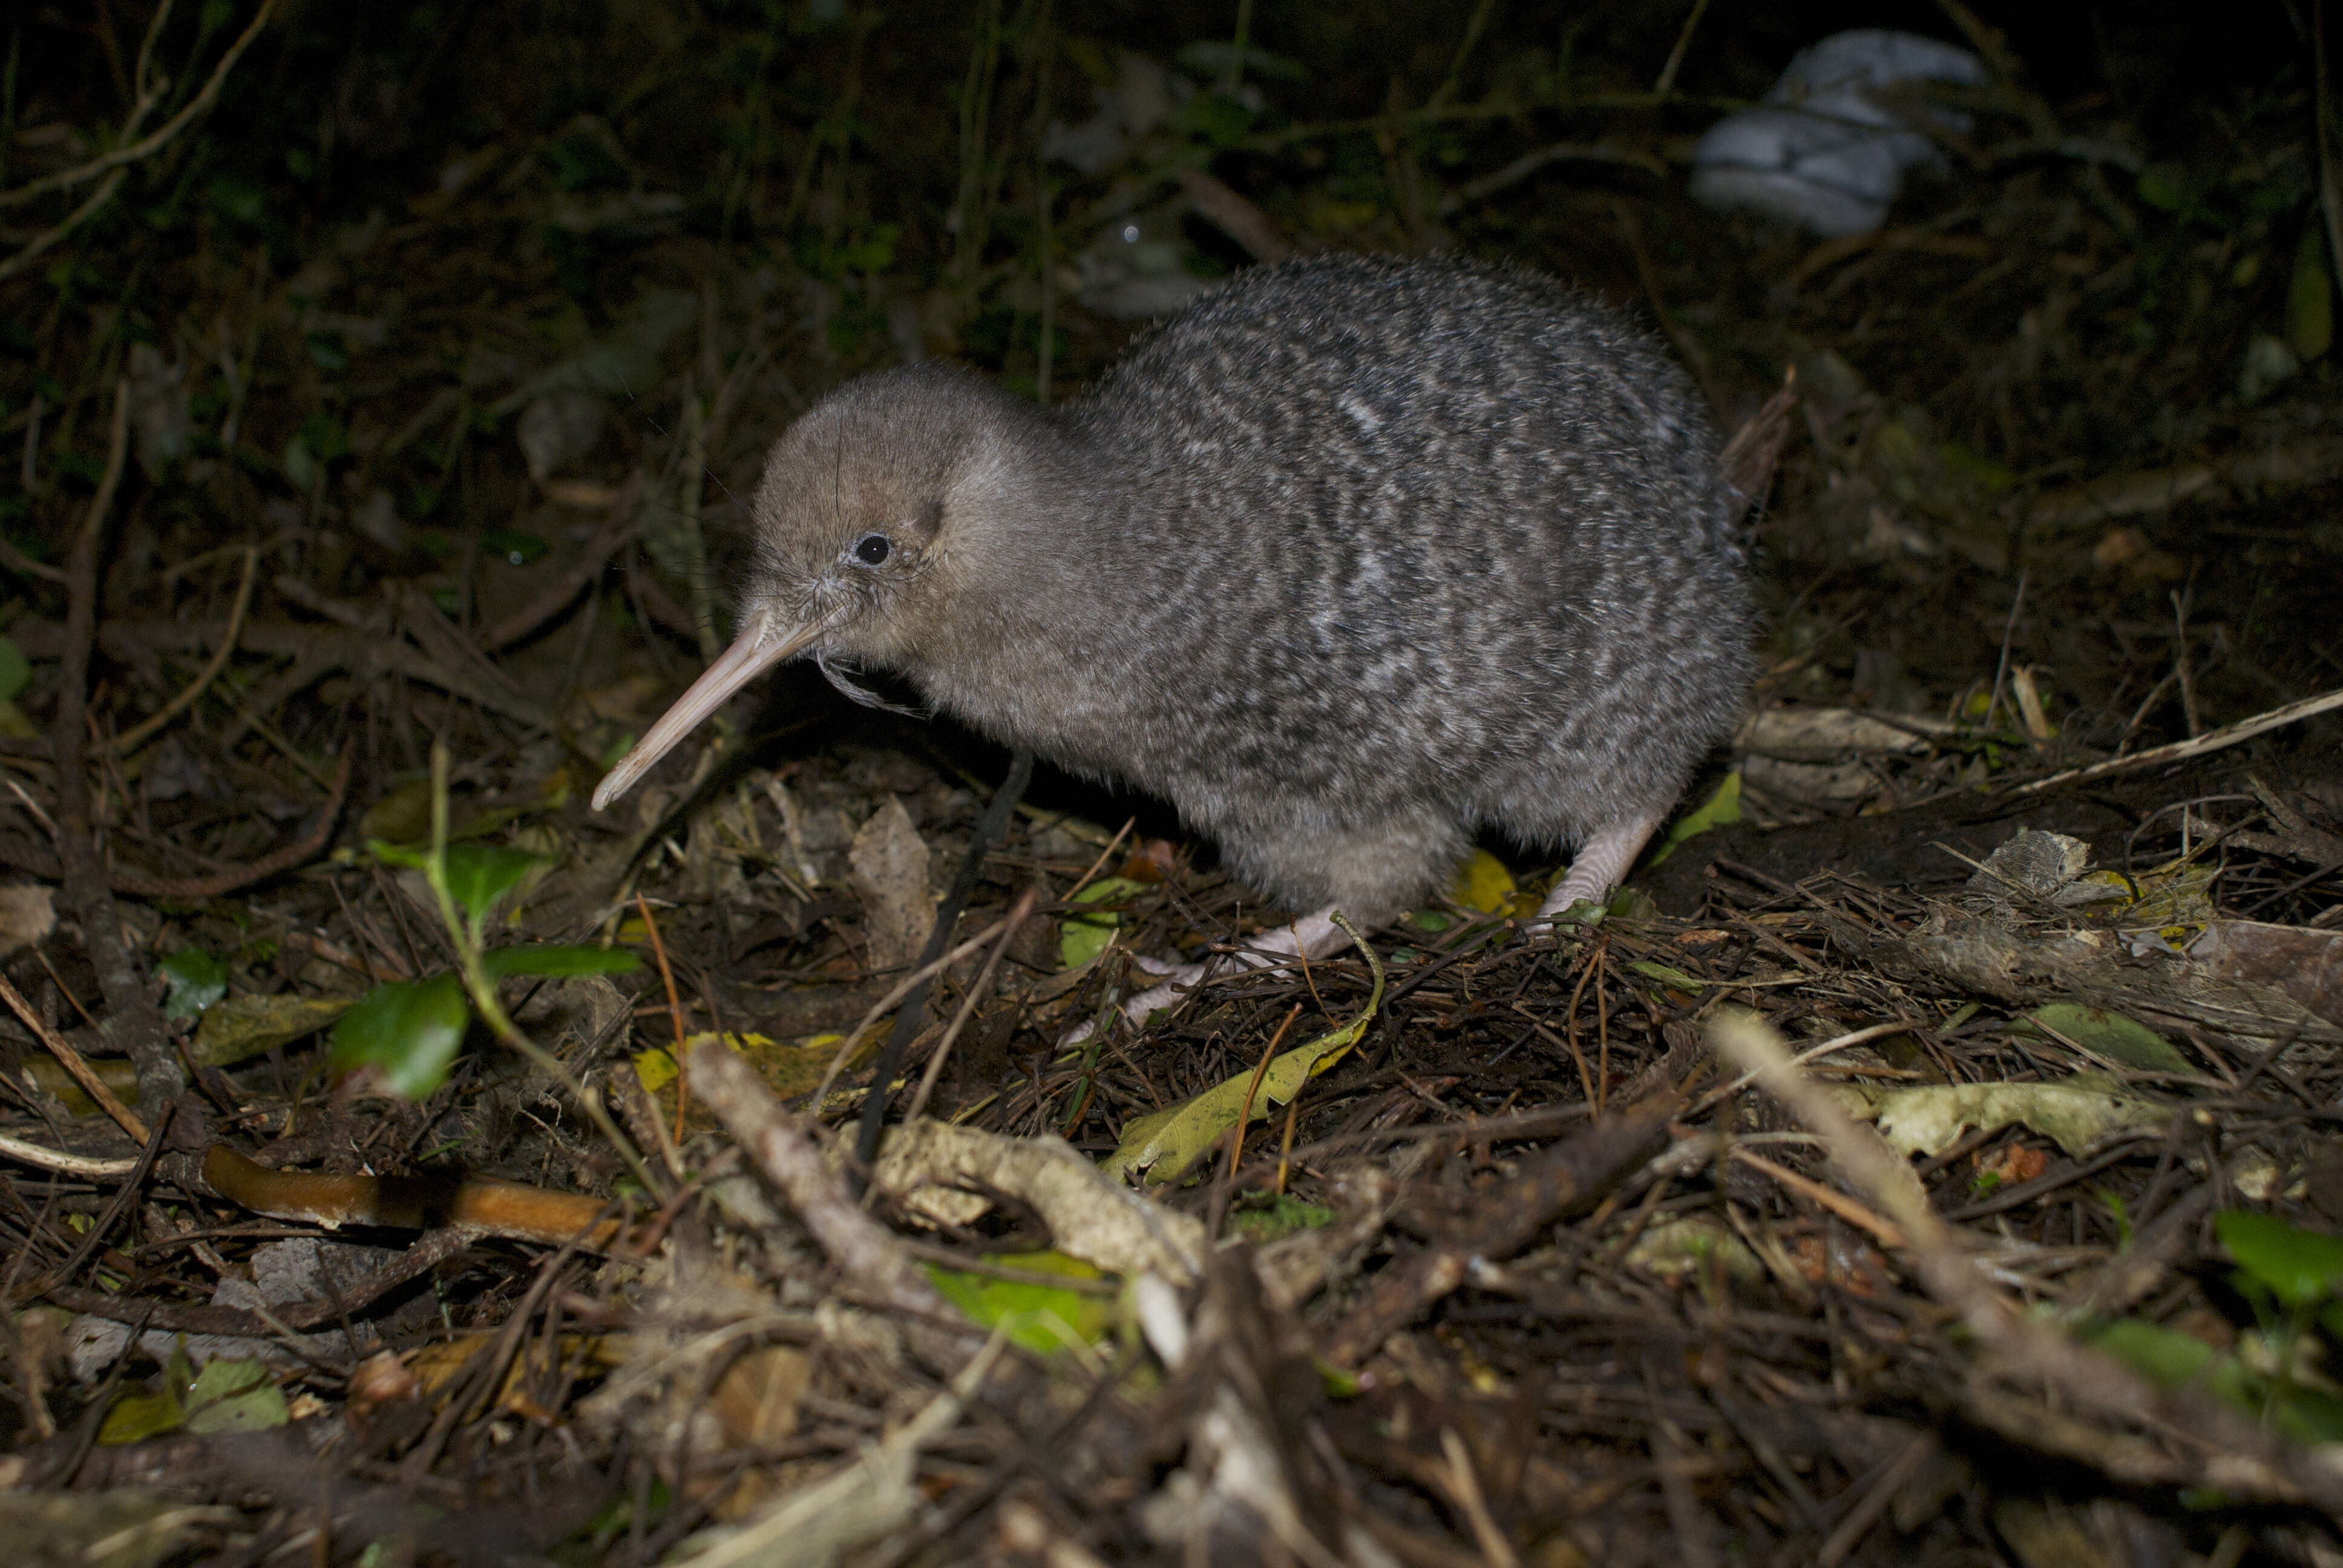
928, 1165
242, 1027
890, 864
2075, 1113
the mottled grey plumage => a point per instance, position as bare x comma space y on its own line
1346, 561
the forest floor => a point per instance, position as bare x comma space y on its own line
1931, 1156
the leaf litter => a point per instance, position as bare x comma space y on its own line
1503, 1263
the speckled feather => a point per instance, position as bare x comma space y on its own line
1346, 561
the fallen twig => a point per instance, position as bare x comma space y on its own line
2229, 1450
2195, 746
134, 1022
129, 739
784, 1149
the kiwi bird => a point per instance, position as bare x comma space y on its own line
1349, 561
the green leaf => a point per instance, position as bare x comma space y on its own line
480, 874
1041, 1318
1081, 938
2302, 1268
136, 1417
1165, 1144
235, 1396
410, 1028
1721, 810
2167, 1357
2173, 1360
192, 981
2310, 298
2120, 1039
242, 1027
16, 670
139, 1416
518, 548
1286, 1215
1652, 969
553, 958
2163, 186
401, 854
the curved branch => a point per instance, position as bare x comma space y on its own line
191, 889
160, 136
128, 740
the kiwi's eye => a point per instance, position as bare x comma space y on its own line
872, 549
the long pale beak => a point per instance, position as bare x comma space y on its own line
752, 653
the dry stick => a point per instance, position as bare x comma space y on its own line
196, 888
2008, 632
1585, 1078
127, 742
155, 139
1464, 1487
2180, 666
783, 1148
1667, 82
1830, 1198
134, 1024
1224, 1189
1017, 916
2239, 1458
625, 514
2198, 746
674, 1004
93, 1085
76, 1165
879, 1008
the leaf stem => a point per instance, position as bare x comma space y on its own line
465, 930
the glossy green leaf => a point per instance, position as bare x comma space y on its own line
409, 1028
2301, 1268
480, 874
192, 981
559, 959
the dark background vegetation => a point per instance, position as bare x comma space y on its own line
2067, 427
392, 203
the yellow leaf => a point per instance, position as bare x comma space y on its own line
1483, 883
655, 1068
1165, 1144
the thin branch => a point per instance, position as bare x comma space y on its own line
154, 140
129, 739
134, 1022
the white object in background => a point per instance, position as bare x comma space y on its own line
1823, 152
